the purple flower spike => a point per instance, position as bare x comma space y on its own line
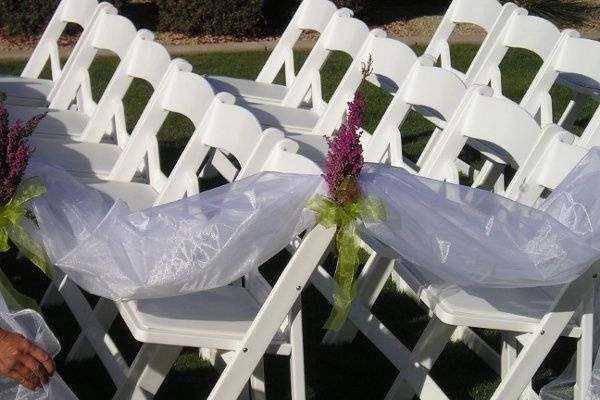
345, 157
14, 152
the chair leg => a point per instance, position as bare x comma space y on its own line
541, 341
585, 350
257, 382
426, 352
105, 313
278, 305
490, 173
157, 369
510, 347
52, 297
477, 345
149, 369
417, 377
371, 281
298, 382
102, 343
571, 112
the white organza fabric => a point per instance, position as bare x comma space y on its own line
460, 235
31, 325
475, 238
195, 244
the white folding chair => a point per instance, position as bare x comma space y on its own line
312, 15
251, 151
518, 313
248, 144
419, 92
28, 89
343, 33
108, 31
521, 31
490, 15
139, 193
257, 332
573, 62
485, 118
560, 67
86, 155
158, 324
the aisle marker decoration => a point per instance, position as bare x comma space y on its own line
15, 193
346, 206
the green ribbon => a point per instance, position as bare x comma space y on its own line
11, 215
346, 217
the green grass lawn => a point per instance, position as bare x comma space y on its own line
352, 372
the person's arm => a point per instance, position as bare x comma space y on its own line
23, 361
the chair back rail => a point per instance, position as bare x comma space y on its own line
312, 15
79, 12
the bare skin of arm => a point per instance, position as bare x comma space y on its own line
23, 361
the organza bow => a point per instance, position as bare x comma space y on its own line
11, 215
346, 218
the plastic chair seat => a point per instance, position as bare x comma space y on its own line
518, 310
56, 122
250, 91
137, 195
313, 147
292, 120
217, 318
79, 158
26, 91
580, 84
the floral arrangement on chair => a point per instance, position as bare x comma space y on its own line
15, 192
346, 205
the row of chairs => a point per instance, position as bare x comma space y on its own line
91, 140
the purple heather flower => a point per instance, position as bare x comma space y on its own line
345, 156
14, 152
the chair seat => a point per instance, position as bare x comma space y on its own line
79, 158
314, 147
518, 310
292, 120
137, 195
56, 122
251, 91
580, 84
217, 318
26, 91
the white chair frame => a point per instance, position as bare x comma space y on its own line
312, 15
29, 89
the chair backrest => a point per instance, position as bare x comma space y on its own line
225, 128
145, 59
79, 12
547, 166
572, 57
343, 33
312, 15
488, 119
179, 91
419, 92
521, 31
487, 14
108, 31
556, 154
284, 158
392, 61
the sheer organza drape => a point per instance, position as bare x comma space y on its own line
460, 235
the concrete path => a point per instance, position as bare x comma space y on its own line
234, 47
